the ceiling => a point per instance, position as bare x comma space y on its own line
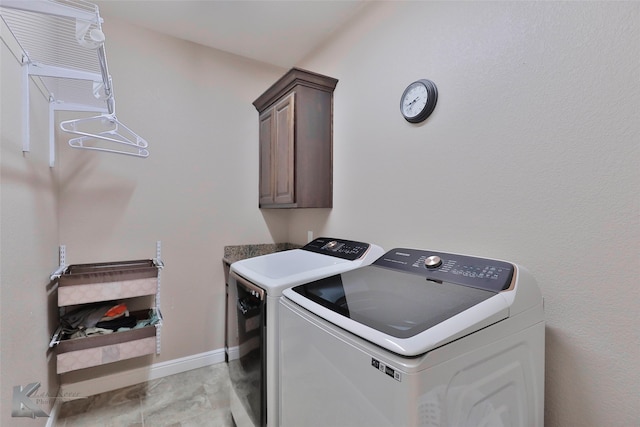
272, 31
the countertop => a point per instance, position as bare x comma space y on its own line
238, 252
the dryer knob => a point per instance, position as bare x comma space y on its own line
434, 261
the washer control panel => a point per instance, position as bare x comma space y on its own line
339, 248
482, 273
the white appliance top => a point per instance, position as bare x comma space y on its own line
411, 301
320, 258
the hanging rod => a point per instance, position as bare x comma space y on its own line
62, 45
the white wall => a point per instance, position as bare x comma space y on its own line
28, 248
531, 155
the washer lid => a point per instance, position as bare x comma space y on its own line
285, 264
400, 311
321, 258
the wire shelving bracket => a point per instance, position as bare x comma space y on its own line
60, 45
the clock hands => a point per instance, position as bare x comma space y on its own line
409, 106
416, 98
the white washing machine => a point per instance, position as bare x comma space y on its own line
256, 285
418, 338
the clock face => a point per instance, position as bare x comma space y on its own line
414, 100
418, 100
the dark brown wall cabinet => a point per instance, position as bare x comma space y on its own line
296, 141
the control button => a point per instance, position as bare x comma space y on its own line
434, 261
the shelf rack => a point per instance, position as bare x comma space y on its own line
82, 284
60, 45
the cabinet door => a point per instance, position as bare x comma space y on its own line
267, 137
283, 150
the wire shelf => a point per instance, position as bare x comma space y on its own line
61, 46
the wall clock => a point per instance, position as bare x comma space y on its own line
418, 100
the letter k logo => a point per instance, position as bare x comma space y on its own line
22, 405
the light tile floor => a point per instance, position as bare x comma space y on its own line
197, 398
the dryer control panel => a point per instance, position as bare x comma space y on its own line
481, 273
340, 248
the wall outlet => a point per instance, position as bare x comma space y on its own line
309, 236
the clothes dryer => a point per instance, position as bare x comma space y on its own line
256, 284
418, 338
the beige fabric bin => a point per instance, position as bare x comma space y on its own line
79, 353
86, 283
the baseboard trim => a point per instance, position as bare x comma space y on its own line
233, 353
140, 375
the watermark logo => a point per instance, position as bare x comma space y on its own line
27, 403
23, 406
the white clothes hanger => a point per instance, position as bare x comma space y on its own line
113, 136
